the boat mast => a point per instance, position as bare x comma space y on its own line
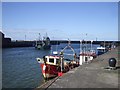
80, 46
80, 59
39, 36
61, 60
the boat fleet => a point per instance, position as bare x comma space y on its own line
56, 64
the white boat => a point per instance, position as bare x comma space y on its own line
85, 55
101, 50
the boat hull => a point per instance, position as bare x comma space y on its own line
49, 71
47, 47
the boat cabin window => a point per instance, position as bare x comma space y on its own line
102, 50
51, 60
57, 61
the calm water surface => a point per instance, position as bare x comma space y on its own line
20, 67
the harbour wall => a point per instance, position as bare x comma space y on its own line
7, 43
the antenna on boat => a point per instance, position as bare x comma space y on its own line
39, 36
80, 45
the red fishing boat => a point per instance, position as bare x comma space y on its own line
52, 65
49, 65
55, 65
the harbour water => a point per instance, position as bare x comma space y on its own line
20, 68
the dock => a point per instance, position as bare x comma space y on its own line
89, 75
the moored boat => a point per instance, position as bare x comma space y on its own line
101, 50
55, 65
86, 55
43, 44
49, 66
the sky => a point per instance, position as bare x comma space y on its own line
60, 20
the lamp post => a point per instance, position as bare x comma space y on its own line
39, 36
86, 45
25, 37
91, 44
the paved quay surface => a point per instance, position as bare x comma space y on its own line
92, 75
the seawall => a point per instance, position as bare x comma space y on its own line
9, 44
